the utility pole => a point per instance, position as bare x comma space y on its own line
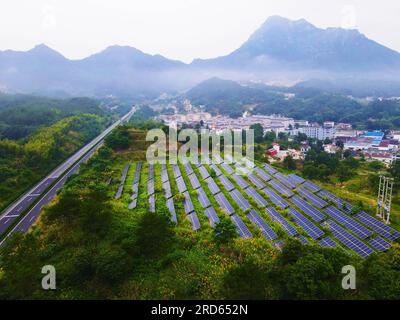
384, 198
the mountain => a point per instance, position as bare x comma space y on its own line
284, 45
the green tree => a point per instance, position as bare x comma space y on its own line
258, 132
289, 163
224, 231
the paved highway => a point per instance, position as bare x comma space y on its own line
65, 170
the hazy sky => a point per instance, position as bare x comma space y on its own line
178, 29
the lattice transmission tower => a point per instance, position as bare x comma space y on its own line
384, 198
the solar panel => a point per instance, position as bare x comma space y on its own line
194, 181
217, 171
217, 159
296, 179
224, 204
138, 168
167, 189
203, 199
187, 203
122, 182
379, 244
240, 200
327, 242
270, 169
256, 196
150, 187
227, 168
285, 180
249, 163
349, 240
242, 229
135, 191
275, 198
212, 216
341, 204
378, 226
226, 183
311, 186
164, 176
171, 208
194, 220
316, 201
257, 182
176, 170
151, 172
280, 188
311, 229
181, 184
240, 181
188, 168
308, 209
241, 170
228, 158
262, 174
133, 204
213, 186
266, 230
348, 222
302, 239
206, 160
152, 204
277, 217
203, 172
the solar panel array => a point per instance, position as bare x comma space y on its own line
150, 187
240, 181
275, 198
276, 216
181, 184
348, 222
327, 242
311, 186
177, 171
240, 200
212, 216
217, 159
203, 199
187, 203
226, 183
224, 203
194, 220
194, 181
262, 174
227, 168
309, 196
122, 182
203, 172
164, 174
135, 186
296, 179
349, 240
213, 186
171, 208
266, 230
188, 168
308, 209
378, 226
217, 171
270, 169
167, 189
379, 244
281, 188
285, 180
242, 229
256, 197
311, 229
256, 181
241, 170
341, 204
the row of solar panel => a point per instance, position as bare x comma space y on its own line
122, 182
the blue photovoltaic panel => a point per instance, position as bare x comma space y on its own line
349, 240
296, 179
167, 189
212, 216
216, 170
151, 172
262, 174
311, 197
188, 168
136, 178
270, 169
311, 186
203, 172
341, 204
206, 160
378, 226
203, 199
194, 220
302, 239
242, 229
164, 176
133, 204
311, 229
280, 188
241, 170
176, 170
150, 187
122, 182
213, 186
240, 181
266, 230
275, 198
227, 168
152, 204
308, 209
327, 242
194, 181
277, 217
187, 203
217, 159
285, 180
257, 182
348, 222
379, 244
256, 197
224, 204
249, 163
181, 184
226, 183
240, 200
171, 208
